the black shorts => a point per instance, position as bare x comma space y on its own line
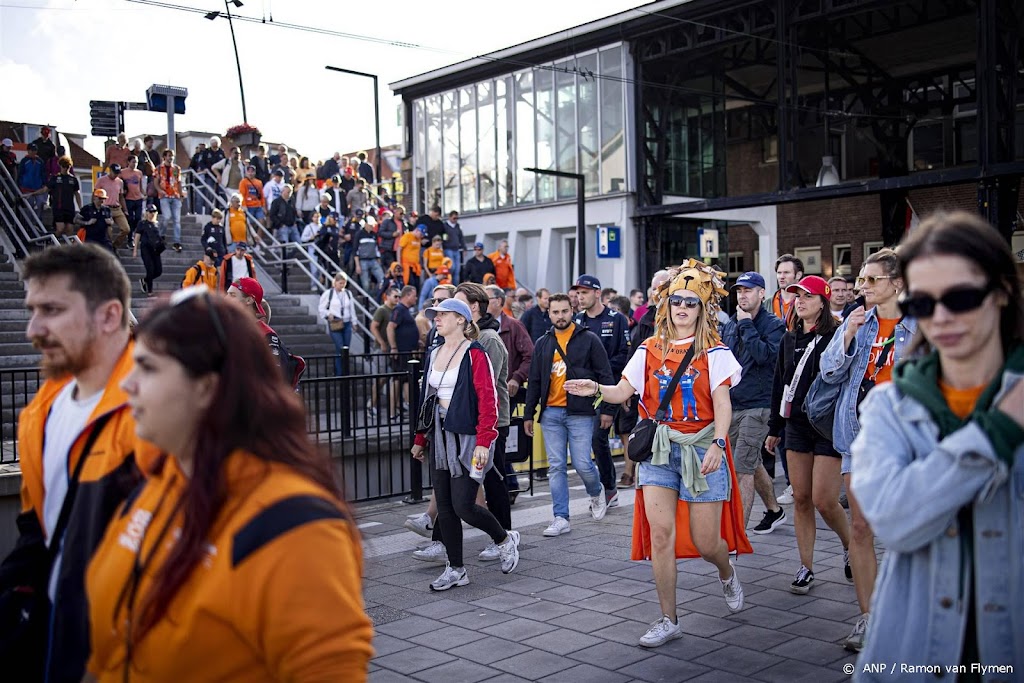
625, 420
63, 216
801, 437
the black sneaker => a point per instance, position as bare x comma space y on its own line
770, 521
846, 566
176, 247
803, 582
142, 283
844, 502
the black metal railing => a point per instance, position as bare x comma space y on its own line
362, 418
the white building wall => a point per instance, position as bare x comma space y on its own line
541, 242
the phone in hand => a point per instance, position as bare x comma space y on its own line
861, 301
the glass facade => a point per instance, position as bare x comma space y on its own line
472, 144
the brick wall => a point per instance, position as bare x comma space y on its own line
850, 220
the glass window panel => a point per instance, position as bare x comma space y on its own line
419, 154
505, 170
432, 194
467, 149
543, 84
613, 130
486, 148
450, 148
526, 182
565, 119
589, 135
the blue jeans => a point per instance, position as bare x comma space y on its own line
562, 430
170, 210
368, 268
341, 339
256, 212
456, 256
287, 233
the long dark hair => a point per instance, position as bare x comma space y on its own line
963, 234
825, 324
253, 410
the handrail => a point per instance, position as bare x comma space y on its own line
265, 256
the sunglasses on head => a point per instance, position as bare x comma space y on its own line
960, 300
676, 300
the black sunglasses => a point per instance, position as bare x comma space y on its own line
676, 300
960, 300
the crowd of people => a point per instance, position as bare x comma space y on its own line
905, 389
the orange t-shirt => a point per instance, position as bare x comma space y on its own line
435, 258
252, 192
504, 274
885, 337
961, 401
409, 248
556, 390
236, 226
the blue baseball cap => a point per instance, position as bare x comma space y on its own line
750, 279
451, 306
478, 245
587, 282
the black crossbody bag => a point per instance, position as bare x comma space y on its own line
641, 439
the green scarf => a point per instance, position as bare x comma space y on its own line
920, 380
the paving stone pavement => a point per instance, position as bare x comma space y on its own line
575, 607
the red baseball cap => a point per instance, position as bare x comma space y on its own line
250, 287
812, 284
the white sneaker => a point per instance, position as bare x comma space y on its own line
509, 552
450, 578
599, 505
490, 553
420, 524
733, 591
558, 527
660, 632
855, 641
787, 496
435, 552
613, 500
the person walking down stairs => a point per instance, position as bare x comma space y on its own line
151, 244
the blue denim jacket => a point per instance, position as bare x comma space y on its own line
847, 366
910, 486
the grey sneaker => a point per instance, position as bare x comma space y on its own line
855, 641
490, 553
612, 499
733, 591
509, 552
599, 505
435, 552
450, 578
420, 524
558, 527
660, 632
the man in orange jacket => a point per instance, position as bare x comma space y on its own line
504, 273
80, 457
204, 272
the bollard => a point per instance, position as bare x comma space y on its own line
346, 394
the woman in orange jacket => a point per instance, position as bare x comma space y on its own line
237, 559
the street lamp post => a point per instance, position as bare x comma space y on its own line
376, 111
581, 221
227, 12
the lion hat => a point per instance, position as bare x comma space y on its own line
703, 280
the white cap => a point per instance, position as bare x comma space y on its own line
6, 142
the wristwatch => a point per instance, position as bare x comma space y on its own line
720, 443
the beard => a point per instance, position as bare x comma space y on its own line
69, 362
562, 325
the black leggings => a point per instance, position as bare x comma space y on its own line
456, 502
153, 263
495, 490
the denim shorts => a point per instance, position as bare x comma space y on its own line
669, 476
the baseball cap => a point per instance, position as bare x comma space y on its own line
211, 252
451, 306
250, 167
99, 192
241, 245
478, 245
278, 172
750, 279
32, 147
7, 142
360, 212
335, 215
151, 208
250, 287
335, 178
115, 168
812, 284
587, 282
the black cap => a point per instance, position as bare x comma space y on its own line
151, 208
211, 252
115, 168
278, 172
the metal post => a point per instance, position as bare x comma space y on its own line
581, 219
171, 142
416, 467
376, 107
346, 395
241, 88
284, 269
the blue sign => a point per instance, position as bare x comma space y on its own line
609, 242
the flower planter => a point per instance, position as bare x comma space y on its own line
247, 139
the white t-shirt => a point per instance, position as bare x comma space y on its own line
722, 365
239, 268
67, 418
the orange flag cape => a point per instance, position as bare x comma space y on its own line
732, 523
